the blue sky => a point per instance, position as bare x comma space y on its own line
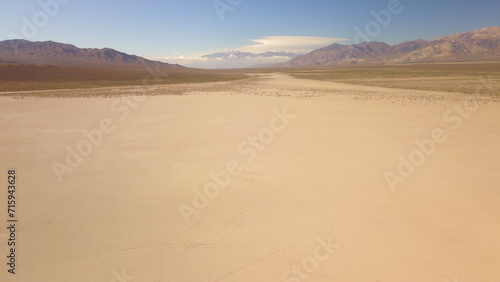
186, 29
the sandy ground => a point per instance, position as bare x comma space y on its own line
308, 201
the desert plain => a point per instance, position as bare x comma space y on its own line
304, 175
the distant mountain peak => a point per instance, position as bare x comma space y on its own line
55, 53
481, 44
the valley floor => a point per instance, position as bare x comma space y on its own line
269, 178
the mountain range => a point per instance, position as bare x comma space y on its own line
479, 45
54, 53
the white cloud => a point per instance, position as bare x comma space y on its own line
297, 44
294, 44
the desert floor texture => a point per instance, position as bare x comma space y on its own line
269, 178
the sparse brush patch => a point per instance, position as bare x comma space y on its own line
29, 77
465, 78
